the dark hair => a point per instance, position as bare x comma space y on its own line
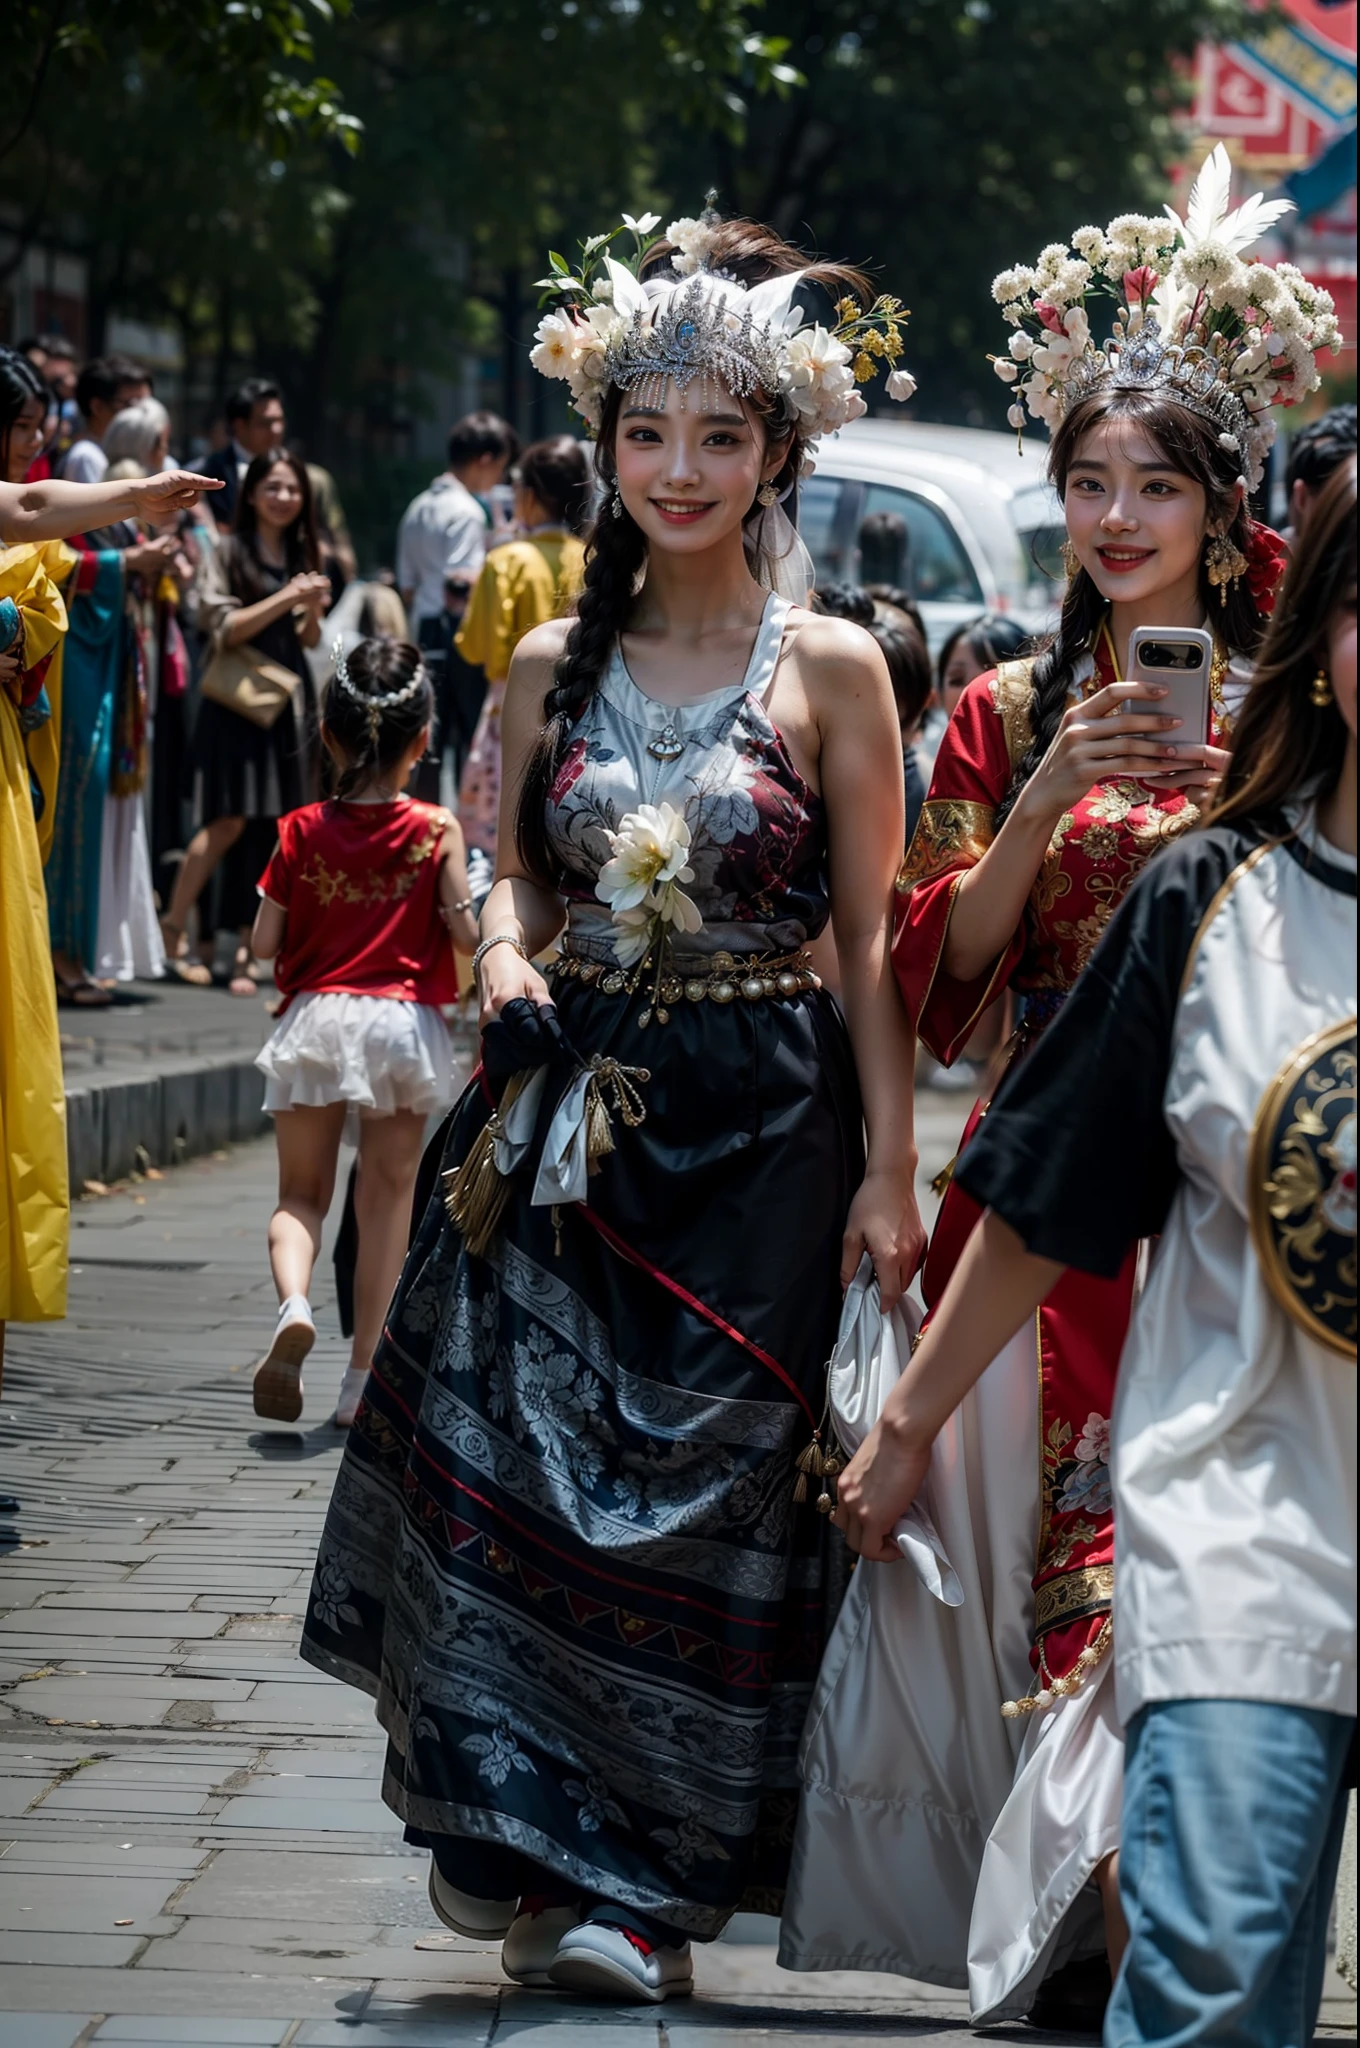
844, 601
908, 658
558, 473
1285, 745
20, 383
301, 548
48, 345
105, 377
1190, 447
992, 639
478, 434
372, 735
901, 601
616, 549
1320, 448
883, 547
254, 391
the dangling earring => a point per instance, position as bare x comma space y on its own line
768, 494
1071, 560
1320, 690
1224, 563
616, 501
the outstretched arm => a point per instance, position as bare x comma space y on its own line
52, 510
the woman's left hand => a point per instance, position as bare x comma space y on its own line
876, 1489
1204, 769
160, 499
885, 1221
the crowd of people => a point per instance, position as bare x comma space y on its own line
1075, 1733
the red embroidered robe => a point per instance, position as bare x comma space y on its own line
1096, 850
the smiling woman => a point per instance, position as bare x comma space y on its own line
575, 1569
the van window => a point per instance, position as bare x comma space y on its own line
822, 509
937, 568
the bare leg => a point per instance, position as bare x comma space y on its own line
309, 1145
389, 1155
206, 849
1116, 1926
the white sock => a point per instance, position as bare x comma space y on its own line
295, 1306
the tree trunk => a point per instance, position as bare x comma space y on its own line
512, 306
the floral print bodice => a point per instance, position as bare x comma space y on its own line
758, 848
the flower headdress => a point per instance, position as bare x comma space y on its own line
1225, 338
699, 325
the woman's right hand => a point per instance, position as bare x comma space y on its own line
1100, 740
312, 590
502, 977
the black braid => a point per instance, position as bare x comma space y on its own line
616, 551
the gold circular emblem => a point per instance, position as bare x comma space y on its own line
1301, 1186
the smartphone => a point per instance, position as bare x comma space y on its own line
1179, 658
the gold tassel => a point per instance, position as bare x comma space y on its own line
810, 1462
599, 1129
475, 1193
943, 1177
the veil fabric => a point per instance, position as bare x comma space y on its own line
778, 556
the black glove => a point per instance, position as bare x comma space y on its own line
524, 1035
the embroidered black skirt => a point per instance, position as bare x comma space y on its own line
563, 1552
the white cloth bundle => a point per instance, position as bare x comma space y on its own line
870, 1357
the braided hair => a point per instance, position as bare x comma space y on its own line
377, 702
616, 547
1191, 448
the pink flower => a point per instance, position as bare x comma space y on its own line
1051, 317
1140, 284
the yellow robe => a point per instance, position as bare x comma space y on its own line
34, 1199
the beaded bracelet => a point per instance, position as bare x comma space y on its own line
496, 939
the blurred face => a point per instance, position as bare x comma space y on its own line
689, 476
264, 429
60, 372
1137, 524
277, 500
483, 473
959, 672
26, 439
1341, 657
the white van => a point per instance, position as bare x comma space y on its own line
980, 527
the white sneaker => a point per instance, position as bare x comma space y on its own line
478, 1919
532, 1944
351, 1393
607, 1963
277, 1383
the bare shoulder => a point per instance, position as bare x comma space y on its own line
534, 660
836, 658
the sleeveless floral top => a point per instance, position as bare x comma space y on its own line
759, 846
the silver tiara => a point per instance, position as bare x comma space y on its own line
373, 707
698, 335
1146, 362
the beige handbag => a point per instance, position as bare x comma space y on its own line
249, 683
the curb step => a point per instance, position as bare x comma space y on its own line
120, 1123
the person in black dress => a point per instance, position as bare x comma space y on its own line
263, 587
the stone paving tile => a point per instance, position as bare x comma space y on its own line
69, 1951
144, 2030
44, 2029
242, 1882
464, 2022
63, 1904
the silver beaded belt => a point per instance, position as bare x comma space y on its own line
755, 977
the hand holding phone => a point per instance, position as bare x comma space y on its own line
1178, 659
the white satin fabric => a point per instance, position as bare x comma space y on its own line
128, 938
935, 1838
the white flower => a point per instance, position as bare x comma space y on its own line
693, 240
650, 848
1077, 327
558, 348
1068, 282
1006, 370
1206, 266
1021, 347
1135, 236
1091, 244
644, 223
1014, 314
1051, 259
852, 407
1012, 284
817, 378
1015, 416
901, 385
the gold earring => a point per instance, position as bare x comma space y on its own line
1320, 690
1071, 560
1224, 563
768, 494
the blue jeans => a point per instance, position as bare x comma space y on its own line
1233, 1816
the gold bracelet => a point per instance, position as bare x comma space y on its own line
496, 939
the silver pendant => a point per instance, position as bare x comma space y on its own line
668, 745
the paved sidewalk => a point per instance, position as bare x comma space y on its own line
192, 1846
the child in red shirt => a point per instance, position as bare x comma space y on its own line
358, 906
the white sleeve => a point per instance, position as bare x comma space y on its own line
466, 542
85, 464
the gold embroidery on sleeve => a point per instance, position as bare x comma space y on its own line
1013, 698
949, 834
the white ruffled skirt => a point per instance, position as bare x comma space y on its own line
374, 1053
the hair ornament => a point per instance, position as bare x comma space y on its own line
373, 707
700, 327
1225, 338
